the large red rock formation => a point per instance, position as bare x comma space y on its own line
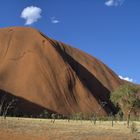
50, 74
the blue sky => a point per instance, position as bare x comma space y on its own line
106, 29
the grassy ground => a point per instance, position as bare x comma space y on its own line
44, 129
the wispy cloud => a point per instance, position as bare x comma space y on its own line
126, 78
54, 20
31, 14
114, 2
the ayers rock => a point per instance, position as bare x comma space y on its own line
46, 74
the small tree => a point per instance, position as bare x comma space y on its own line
112, 119
9, 105
97, 113
94, 117
125, 97
6, 104
53, 117
2, 104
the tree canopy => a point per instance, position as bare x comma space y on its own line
126, 96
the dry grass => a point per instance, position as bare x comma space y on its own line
44, 129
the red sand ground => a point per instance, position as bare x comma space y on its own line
6, 135
43, 129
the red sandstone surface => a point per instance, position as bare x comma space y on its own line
47, 74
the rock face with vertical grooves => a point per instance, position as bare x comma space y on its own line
52, 75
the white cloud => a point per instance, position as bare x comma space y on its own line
54, 20
114, 2
31, 14
126, 78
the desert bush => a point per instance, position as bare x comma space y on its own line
45, 114
77, 116
93, 118
119, 116
133, 128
